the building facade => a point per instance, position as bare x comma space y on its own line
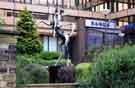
76, 12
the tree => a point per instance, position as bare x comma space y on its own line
28, 42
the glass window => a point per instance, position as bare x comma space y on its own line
115, 7
17, 0
35, 1
94, 40
52, 44
43, 2
51, 2
59, 2
9, 13
125, 6
40, 16
101, 7
28, 1
120, 6
45, 44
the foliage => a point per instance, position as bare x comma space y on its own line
114, 68
31, 73
83, 70
30, 68
28, 42
29, 59
1, 21
49, 55
22, 77
37, 73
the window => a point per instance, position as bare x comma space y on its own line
51, 2
94, 40
120, 6
125, 6
101, 7
60, 2
45, 44
40, 16
9, 13
35, 1
17, 0
43, 2
50, 44
28, 1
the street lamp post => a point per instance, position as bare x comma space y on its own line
105, 12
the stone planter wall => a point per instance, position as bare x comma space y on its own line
8, 67
7, 81
56, 85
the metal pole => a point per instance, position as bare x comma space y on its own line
105, 28
14, 13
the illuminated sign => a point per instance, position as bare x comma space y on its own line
100, 24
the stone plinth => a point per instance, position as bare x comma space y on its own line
56, 85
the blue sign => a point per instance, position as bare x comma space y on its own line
100, 24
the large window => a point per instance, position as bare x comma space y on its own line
51, 44
94, 40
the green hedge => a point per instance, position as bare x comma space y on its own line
115, 69
30, 74
30, 69
28, 59
83, 70
49, 55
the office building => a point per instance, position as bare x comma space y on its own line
95, 20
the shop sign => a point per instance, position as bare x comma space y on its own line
100, 24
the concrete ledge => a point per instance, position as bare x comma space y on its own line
55, 85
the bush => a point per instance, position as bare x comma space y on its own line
37, 73
37, 59
31, 73
114, 69
83, 70
35, 64
49, 55
22, 77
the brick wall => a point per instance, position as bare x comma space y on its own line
7, 67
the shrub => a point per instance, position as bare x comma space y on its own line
83, 70
114, 69
37, 73
29, 59
31, 73
49, 55
22, 77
